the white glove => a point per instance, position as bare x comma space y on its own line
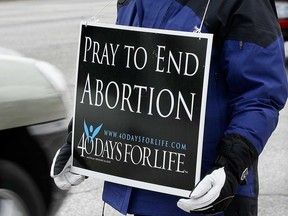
215, 192
210, 193
65, 179
61, 165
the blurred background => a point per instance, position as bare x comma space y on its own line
38, 53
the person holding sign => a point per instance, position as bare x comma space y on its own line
247, 89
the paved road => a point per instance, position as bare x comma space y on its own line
49, 30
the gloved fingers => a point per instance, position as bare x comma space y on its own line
186, 204
217, 207
74, 179
199, 204
210, 184
202, 188
61, 180
192, 204
205, 193
62, 183
67, 179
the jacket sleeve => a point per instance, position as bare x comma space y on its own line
257, 85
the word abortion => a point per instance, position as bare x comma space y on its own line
115, 95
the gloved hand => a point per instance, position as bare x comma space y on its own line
213, 194
61, 165
216, 190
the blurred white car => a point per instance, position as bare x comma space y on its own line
33, 125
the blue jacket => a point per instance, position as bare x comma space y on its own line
247, 83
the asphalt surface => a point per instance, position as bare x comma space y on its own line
85, 199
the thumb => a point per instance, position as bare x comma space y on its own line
213, 180
202, 188
67, 179
74, 179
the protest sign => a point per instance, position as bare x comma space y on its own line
140, 106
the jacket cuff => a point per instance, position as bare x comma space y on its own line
237, 154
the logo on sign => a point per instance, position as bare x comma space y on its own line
91, 133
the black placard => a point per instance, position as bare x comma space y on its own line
140, 106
